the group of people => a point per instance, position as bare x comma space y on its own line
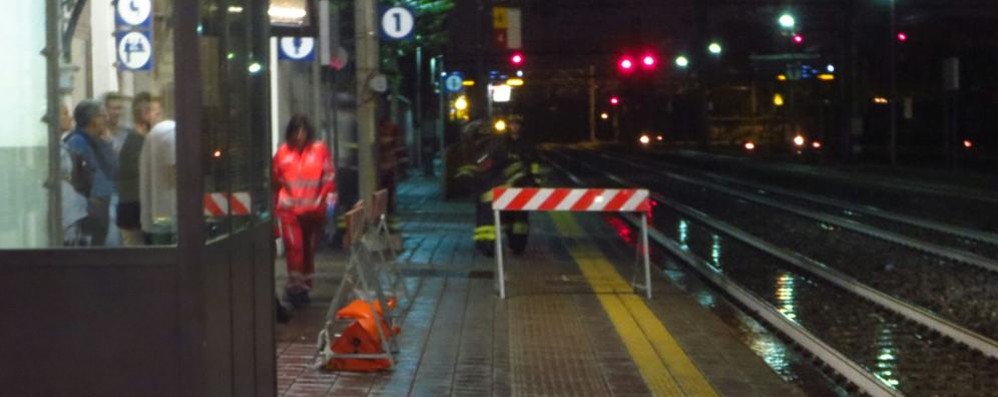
106, 166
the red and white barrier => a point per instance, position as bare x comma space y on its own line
575, 200
219, 204
570, 200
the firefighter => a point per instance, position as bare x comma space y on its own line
505, 160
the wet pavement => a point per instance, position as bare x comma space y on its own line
552, 335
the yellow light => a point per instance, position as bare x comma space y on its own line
644, 140
604, 116
468, 83
799, 140
826, 77
778, 99
816, 145
217, 154
461, 103
781, 77
500, 125
881, 100
515, 82
967, 143
749, 146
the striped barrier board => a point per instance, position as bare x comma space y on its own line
219, 204
570, 200
575, 200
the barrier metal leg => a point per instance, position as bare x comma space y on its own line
378, 320
499, 264
644, 244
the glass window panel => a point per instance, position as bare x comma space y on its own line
236, 102
71, 165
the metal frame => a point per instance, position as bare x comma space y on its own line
500, 268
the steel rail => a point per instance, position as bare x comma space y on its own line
983, 344
843, 365
940, 250
869, 180
945, 228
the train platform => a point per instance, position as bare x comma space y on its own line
571, 324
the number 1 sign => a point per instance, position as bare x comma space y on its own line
397, 23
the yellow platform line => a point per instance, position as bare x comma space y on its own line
664, 366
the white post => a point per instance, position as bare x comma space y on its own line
499, 265
644, 243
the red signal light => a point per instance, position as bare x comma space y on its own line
626, 64
648, 61
614, 100
902, 37
798, 39
516, 59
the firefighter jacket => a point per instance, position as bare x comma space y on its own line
507, 162
303, 179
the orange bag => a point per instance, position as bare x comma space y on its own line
361, 337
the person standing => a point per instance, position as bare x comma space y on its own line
503, 161
74, 203
303, 179
158, 182
98, 166
114, 103
146, 112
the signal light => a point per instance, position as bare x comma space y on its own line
626, 64
614, 100
902, 37
798, 39
648, 61
516, 59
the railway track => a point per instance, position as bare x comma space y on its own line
879, 343
932, 276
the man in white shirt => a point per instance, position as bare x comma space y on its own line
158, 181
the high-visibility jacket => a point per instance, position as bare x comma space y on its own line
303, 179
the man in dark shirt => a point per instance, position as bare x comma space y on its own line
146, 112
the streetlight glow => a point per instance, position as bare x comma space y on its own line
461, 103
787, 21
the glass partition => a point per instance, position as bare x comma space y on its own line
87, 156
234, 66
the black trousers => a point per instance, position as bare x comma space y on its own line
516, 224
98, 220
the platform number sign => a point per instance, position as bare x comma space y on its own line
397, 23
133, 31
454, 82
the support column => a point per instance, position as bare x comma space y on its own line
365, 21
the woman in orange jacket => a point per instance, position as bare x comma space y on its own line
303, 181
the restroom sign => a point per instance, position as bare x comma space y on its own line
133, 13
134, 51
296, 48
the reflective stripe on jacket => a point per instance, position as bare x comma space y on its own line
303, 178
